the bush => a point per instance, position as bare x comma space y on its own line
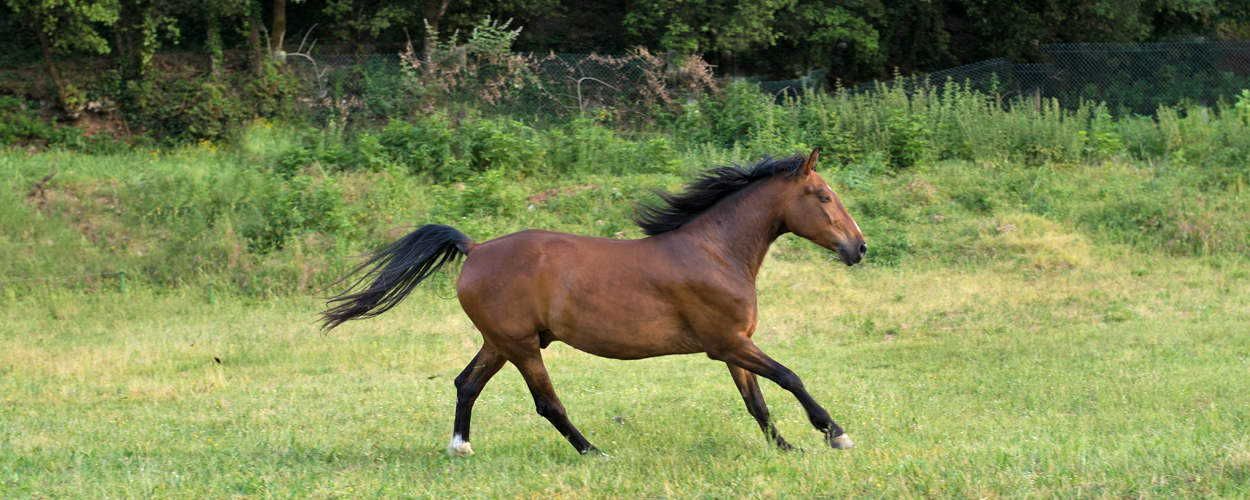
425, 147
19, 124
499, 144
302, 204
586, 146
726, 118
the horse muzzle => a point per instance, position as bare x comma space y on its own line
852, 252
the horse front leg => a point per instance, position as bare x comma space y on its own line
744, 354
749, 387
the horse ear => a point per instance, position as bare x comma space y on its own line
810, 163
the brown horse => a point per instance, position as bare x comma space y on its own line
687, 288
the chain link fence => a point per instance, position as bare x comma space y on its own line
554, 85
1129, 77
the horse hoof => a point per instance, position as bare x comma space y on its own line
458, 447
842, 442
596, 452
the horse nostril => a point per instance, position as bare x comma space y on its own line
863, 249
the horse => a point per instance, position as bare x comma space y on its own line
687, 287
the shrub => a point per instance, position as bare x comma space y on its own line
909, 139
285, 208
19, 124
727, 118
587, 146
497, 144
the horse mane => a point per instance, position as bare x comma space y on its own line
675, 210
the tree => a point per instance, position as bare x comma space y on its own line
278, 34
832, 37
781, 37
706, 26
361, 20
138, 33
214, 12
66, 26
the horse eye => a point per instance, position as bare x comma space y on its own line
823, 198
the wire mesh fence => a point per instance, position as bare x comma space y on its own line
1128, 77
537, 84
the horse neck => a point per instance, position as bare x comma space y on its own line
739, 230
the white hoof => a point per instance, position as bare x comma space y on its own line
458, 447
842, 442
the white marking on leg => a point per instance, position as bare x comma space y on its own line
842, 442
458, 447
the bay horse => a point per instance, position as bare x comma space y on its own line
688, 287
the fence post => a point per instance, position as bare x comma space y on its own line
121, 275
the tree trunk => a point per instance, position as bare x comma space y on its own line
278, 34
213, 34
130, 53
58, 86
254, 21
432, 19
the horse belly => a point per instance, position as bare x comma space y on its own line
621, 318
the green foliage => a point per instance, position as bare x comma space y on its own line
21, 125
1242, 106
286, 208
928, 177
481, 68
184, 108
181, 109
728, 118
909, 139
146, 26
587, 146
499, 144
694, 27
424, 147
357, 19
433, 147
69, 25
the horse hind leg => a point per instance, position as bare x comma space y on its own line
530, 363
749, 387
469, 385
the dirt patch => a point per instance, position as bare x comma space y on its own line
920, 192
108, 123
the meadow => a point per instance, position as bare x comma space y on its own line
1124, 378
1059, 310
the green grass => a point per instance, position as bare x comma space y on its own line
1123, 377
1058, 310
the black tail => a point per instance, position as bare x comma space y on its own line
395, 270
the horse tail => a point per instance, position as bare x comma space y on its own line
394, 271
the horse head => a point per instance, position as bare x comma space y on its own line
813, 211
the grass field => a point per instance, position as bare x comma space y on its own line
1122, 377
1054, 305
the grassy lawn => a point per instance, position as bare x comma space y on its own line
1123, 376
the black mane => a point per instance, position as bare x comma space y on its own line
675, 210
